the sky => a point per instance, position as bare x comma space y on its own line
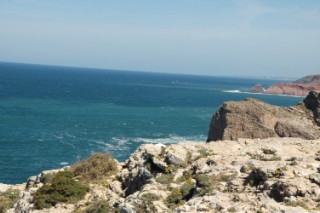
278, 38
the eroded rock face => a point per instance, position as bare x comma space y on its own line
291, 89
256, 119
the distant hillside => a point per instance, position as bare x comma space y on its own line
310, 79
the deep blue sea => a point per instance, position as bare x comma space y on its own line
53, 116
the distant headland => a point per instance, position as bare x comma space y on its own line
300, 87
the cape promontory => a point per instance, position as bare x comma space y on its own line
300, 87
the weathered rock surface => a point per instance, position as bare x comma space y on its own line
246, 175
256, 119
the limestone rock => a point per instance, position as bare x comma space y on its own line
255, 119
247, 175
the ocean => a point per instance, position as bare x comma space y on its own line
53, 116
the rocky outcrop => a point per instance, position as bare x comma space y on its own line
256, 119
246, 175
257, 89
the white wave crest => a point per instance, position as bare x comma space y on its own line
122, 142
232, 91
255, 93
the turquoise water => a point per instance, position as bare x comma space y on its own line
53, 116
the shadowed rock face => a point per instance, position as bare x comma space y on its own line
256, 119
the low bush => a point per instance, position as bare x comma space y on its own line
98, 206
63, 188
209, 183
179, 195
165, 178
175, 198
46, 178
95, 168
7, 199
146, 204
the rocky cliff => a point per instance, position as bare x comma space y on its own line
296, 89
300, 87
247, 175
310, 79
252, 118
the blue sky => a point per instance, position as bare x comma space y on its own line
225, 37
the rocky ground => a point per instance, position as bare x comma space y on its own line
246, 175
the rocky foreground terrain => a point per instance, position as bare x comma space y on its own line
280, 173
247, 175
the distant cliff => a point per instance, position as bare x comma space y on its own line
256, 119
300, 87
310, 79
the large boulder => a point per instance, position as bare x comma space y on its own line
253, 118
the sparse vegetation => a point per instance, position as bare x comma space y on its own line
63, 188
209, 183
256, 177
264, 157
279, 172
46, 178
95, 168
186, 176
179, 195
7, 199
146, 204
165, 178
98, 206
268, 151
203, 153
298, 203
189, 157
175, 198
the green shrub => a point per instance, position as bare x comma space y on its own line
95, 168
165, 178
147, 203
209, 183
63, 188
7, 199
186, 190
46, 178
175, 198
203, 153
98, 206
186, 176
180, 195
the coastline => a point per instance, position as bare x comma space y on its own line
262, 93
270, 161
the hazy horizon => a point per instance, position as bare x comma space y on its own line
244, 38
279, 78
